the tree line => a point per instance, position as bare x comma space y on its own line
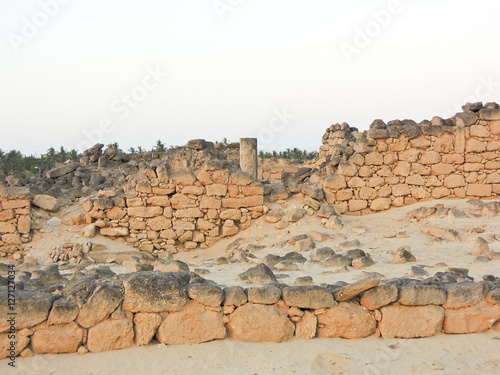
14, 163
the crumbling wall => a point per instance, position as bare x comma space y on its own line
402, 162
272, 169
15, 220
99, 314
169, 206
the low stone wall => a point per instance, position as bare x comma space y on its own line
15, 220
272, 169
162, 210
402, 162
98, 314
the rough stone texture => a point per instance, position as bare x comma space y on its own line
259, 323
60, 338
352, 290
306, 328
268, 295
260, 274
235, 295
31, 308
63, 311
379, 296
103, 301
111, 334
21, 342
347, 320
206, 294
145, 326
419, 295
308, 297
153, 292
464, 294
193, 325
411, 321
476, 318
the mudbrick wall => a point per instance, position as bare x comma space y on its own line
402, 162
99, 314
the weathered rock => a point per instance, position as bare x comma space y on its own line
347, 320
45, 202
193, 325
379, 296
31, 308
308, 297
145, 326
464, 294
411, 321
472, 319
62, 170
322, 253
307, 326
154, 292
481, 247
209, 295
305, 244
326, 211
295, 214
421, 294
352, 290
423, 212
259, 323
111, 334
403, 256
62, 312
6, 347
286, 265
103, 301
114, 232
60, 338
235, 295
268, 295
337, 260
295, 257
260, 274
89, 231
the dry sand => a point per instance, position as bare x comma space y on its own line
444, 354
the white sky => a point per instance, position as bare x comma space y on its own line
232, 71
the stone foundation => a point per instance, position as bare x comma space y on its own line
109, 313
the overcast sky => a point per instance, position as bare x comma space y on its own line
74, 72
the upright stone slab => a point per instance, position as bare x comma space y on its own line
248, 156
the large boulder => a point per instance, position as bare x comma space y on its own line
464, 294
62, 312
59, 338
193, 325
111, 334
62, 170
411, 321
154, 292
308, 297
347, 320
45, 202
31, 308
259, 323
6, 344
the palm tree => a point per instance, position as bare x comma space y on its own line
159, 147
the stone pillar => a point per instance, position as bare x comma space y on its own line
248, 156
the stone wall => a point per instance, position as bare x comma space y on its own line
272, 169
15, 220
97, 313
402, 162
163, 209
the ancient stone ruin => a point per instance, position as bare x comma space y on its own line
190, 198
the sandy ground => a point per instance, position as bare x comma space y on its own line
444, 354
